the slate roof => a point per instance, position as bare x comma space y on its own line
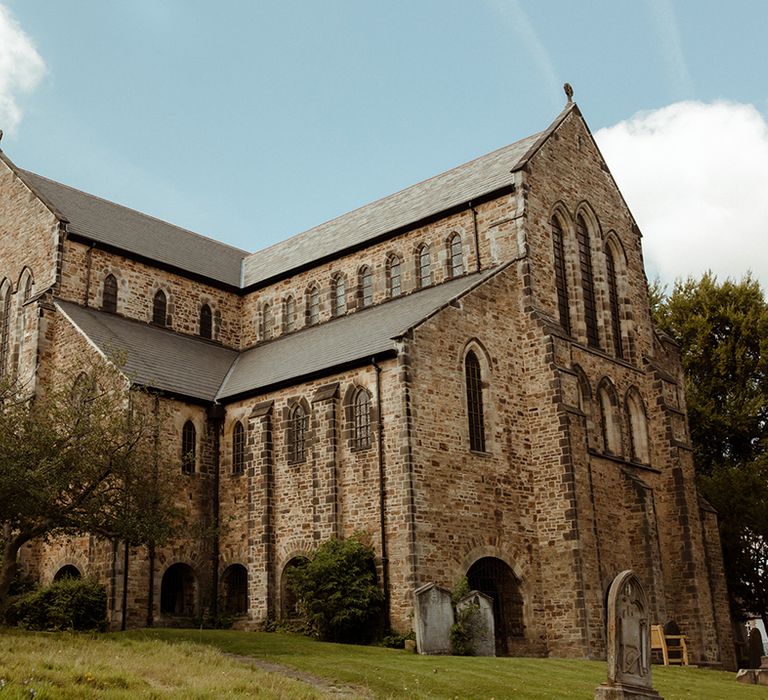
454, 187
132, 231
156, 357
356, 336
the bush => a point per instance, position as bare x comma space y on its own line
337, 591
77, 604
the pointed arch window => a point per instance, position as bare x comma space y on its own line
613, 300
475, 415
610, 420
587, 282
365, 285
5, 326
638, 428
188, 448
28, 286
297, 434
394, 284
455, 256
238, 448
267, 323
424, 266
289, 314
338, 296
206, 322
561, 281
109, 294
159, 308
361, 416
313, 306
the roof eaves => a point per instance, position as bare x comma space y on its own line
21, 174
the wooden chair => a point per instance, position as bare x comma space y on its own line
671, 649
659, 652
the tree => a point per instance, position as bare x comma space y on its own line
337, 590
78, 459
722, 330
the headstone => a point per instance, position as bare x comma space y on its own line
757, 670
479, 610
629, 644
755, 648
433, 619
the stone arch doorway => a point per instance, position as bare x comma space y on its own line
68, 571
289, 603
496, 579
234, 584
178, 591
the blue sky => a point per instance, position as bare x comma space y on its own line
252, 121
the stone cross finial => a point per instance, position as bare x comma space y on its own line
568, 92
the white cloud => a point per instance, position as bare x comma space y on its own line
21, 69
696, 178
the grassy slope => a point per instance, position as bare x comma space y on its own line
395, 673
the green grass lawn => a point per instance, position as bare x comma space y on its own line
188, 664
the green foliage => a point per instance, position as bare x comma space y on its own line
77, 604
463, 629
722, 330
396, 641
338, 592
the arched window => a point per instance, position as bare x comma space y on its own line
5, 325
338, 296
561, 281
424, 266
394, 285
289, 314
587, 281
234, 582
361, 417
178, 591
159, 308
188, 448
455, 256
638, 427
297, 434
206, 322
109, 294
28, 286
365, 286
475, 402
613, 300
267, 325
313, 306
610, 419
238, 448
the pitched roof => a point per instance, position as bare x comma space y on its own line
452, 188
155, 357
134, 232
343, 340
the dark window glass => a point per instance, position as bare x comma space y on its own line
206, 322
456, 259
475, 403
366, 286
313, 306
159, 308
394, 286
424, 264
338, 296
613, 300
289, 318
297, 434
5, 326
362, 420
561, 283
587, 282
238, 448
188, 447
109, 296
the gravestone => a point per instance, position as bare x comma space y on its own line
433, 619
629, 644
479, 611
755, 645
757, 667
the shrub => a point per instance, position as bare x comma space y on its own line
337, 590
78, 604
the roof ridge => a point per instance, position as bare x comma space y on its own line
136, 211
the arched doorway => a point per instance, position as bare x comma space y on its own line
68, 571
496, 579
234, 588
289, 603
178, 591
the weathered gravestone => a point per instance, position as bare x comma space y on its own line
433, 615
629, 644
757, 667
755, 642
477, 610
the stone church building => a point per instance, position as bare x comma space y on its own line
465, 371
